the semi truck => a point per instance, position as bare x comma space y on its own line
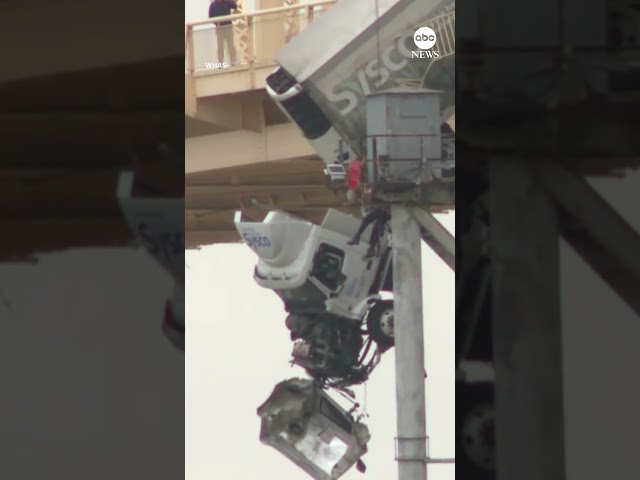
326, 72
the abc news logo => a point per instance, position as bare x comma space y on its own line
425, 39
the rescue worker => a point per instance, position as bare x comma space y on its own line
379, 216
354, 174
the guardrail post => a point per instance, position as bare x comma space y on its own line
251, 52
190, 52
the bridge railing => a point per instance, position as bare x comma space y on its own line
257, 36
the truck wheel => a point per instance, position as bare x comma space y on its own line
475, 431
380, 324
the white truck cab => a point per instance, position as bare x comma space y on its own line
329, 289
311, 267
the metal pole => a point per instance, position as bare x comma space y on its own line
527, 333
409, 346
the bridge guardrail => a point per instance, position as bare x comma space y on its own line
257, 36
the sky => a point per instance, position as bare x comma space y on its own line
196, 10
601, 357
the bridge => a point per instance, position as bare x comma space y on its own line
241, 152
77, 113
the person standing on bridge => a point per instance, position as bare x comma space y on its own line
224, 28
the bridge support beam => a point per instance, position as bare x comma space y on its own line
595, 230
411, 451
437, 236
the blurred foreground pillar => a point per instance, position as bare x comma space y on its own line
526, 326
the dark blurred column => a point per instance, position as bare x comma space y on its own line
526, 326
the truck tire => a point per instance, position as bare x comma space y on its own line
380, 324
475, 431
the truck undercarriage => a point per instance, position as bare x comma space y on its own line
338, 352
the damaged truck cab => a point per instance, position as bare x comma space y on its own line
331, 292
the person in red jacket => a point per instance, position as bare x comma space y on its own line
354, 174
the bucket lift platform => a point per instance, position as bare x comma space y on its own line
409, 160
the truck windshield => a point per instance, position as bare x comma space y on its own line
327, 266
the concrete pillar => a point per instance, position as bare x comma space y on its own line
526, 326
409, 345
269, 31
